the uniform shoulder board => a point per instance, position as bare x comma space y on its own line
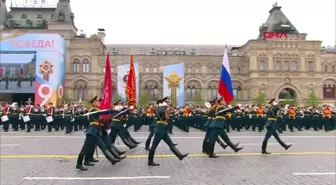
92, 109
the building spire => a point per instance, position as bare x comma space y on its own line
3, 14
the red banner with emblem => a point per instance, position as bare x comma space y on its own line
130, 86
106, 98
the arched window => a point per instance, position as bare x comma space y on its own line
212, 91
329, 89
75, 67
81, 90
86, 65
153, 90
194, 88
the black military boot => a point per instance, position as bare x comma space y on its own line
151, 159
81, 167
287, 147
213, 155
117, 149
87, 163
93, 160
129, 144
110, 157
234, 146
133, 140
263, 148
223, 145
178, 153
116, 154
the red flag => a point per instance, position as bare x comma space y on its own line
130, 86
106, 98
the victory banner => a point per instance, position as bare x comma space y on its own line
36, 64
123, 71
173, 83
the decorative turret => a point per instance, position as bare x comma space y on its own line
63, 17
3, 14
277, 22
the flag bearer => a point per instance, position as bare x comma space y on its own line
208, 122
218, 128
92, 139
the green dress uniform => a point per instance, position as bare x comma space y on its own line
117, 123
218, 130
208, 122
161, 133
92, 139
271, 128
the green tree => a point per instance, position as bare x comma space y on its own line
144, 98
198, 99
313, 99
260, 99
66, 98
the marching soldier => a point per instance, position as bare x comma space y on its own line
161, 132
218, 128
116, 127
210, 120
271, 127
92, 136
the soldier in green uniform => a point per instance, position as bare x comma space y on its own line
218, 128
271, 127
161, 132
208, 122
117, 124
152, 131
92, 139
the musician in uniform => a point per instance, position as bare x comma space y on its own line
326, 118
93, 137
218, 128
15, 117
272, 114
161, 132
49, 118
260, 117
315, 118
291, 118
36, 117
5, 117
27, 118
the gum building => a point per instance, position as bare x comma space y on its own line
275, 67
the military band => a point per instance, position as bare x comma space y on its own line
215, 118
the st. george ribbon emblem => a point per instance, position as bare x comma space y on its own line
46, 68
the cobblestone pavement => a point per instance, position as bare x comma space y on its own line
49, 158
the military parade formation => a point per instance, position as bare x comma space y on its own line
102, 127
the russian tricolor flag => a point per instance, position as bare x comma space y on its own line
225, 83
21, 71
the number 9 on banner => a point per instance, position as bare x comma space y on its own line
60, 91
45, 92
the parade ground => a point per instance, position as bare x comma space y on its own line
40, 158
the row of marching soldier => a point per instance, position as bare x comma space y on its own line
70, 117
